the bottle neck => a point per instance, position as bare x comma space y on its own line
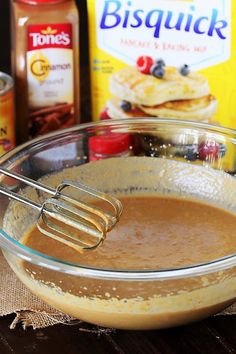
41, 2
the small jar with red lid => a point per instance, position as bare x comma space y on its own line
109, 145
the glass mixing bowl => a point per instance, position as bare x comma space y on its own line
184, 158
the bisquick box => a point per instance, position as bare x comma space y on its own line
194, 39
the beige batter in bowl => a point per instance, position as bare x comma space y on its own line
124, 298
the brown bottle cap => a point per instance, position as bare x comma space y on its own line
35, 2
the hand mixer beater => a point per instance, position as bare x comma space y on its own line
63, 217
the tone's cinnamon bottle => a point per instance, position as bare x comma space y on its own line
45, 61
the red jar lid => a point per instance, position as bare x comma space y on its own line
113, 143
34, 2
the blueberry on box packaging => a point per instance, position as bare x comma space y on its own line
167, 59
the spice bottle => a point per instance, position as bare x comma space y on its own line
109, 145
45, 65
7, 131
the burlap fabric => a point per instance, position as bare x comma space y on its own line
30, 310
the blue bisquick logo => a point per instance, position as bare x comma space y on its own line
122, 14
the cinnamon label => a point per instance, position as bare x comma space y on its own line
50, 75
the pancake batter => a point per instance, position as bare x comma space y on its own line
166, 224
153, 233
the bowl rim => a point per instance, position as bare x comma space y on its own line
12, 246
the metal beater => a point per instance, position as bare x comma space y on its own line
76, 224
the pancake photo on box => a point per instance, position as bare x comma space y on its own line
154, 89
